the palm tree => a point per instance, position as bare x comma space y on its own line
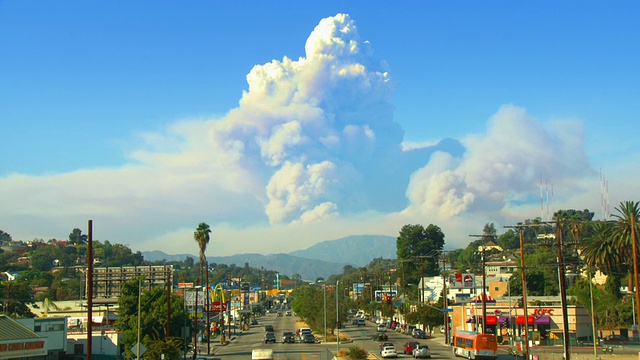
201, 235
599, 251
625, 235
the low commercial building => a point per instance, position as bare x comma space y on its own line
19, 342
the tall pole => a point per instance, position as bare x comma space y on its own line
195, 323
390, 297
324, 297
484, 294
422, 299
593, 318
184, 323
444, 298
138, 345
90, 291
634, 247
208, 307
168, 330
337, 319
563, 292
524, 293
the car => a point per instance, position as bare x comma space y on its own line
254, 322
270, 337
389, 352
385, 344
288, 313
288, 337
309, 339
419, 334
615, 339
268, 328
409, 330
354, 322
380, 336
422, 351
409, 346
361, 322
382, 327
279, 314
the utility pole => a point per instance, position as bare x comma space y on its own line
484, 283
207, 304
90, 291
444, 298
563, 292
520, 228
337, 319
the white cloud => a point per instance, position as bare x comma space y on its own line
312, 152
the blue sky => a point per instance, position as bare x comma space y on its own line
149, 118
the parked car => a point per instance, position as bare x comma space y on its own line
422, 351
419, 334
380, 336
288, 337
382, 327
409, 346
389, 352
270, 337
615, 339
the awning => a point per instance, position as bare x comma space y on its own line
503, 319
543, 320
491, 320
520, 320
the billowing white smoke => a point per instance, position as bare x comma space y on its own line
321, 125
500, 166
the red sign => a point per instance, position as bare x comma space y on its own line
185, 285
540, 312
216, 306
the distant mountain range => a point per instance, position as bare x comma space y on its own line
323, 259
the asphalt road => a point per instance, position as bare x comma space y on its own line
242, 345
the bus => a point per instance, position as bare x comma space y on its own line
474, 345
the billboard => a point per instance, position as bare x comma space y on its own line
461, 281
357, 288
384, 295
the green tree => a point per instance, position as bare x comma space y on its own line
153, 320
77, 238
415, 243
15, 295
625, 238
4, 237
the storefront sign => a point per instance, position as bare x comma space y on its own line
23, 349
542, 311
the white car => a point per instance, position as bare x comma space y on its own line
422, 351
382, 327
389, 352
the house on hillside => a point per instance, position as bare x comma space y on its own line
489, 246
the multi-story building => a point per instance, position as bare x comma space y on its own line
108, 281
